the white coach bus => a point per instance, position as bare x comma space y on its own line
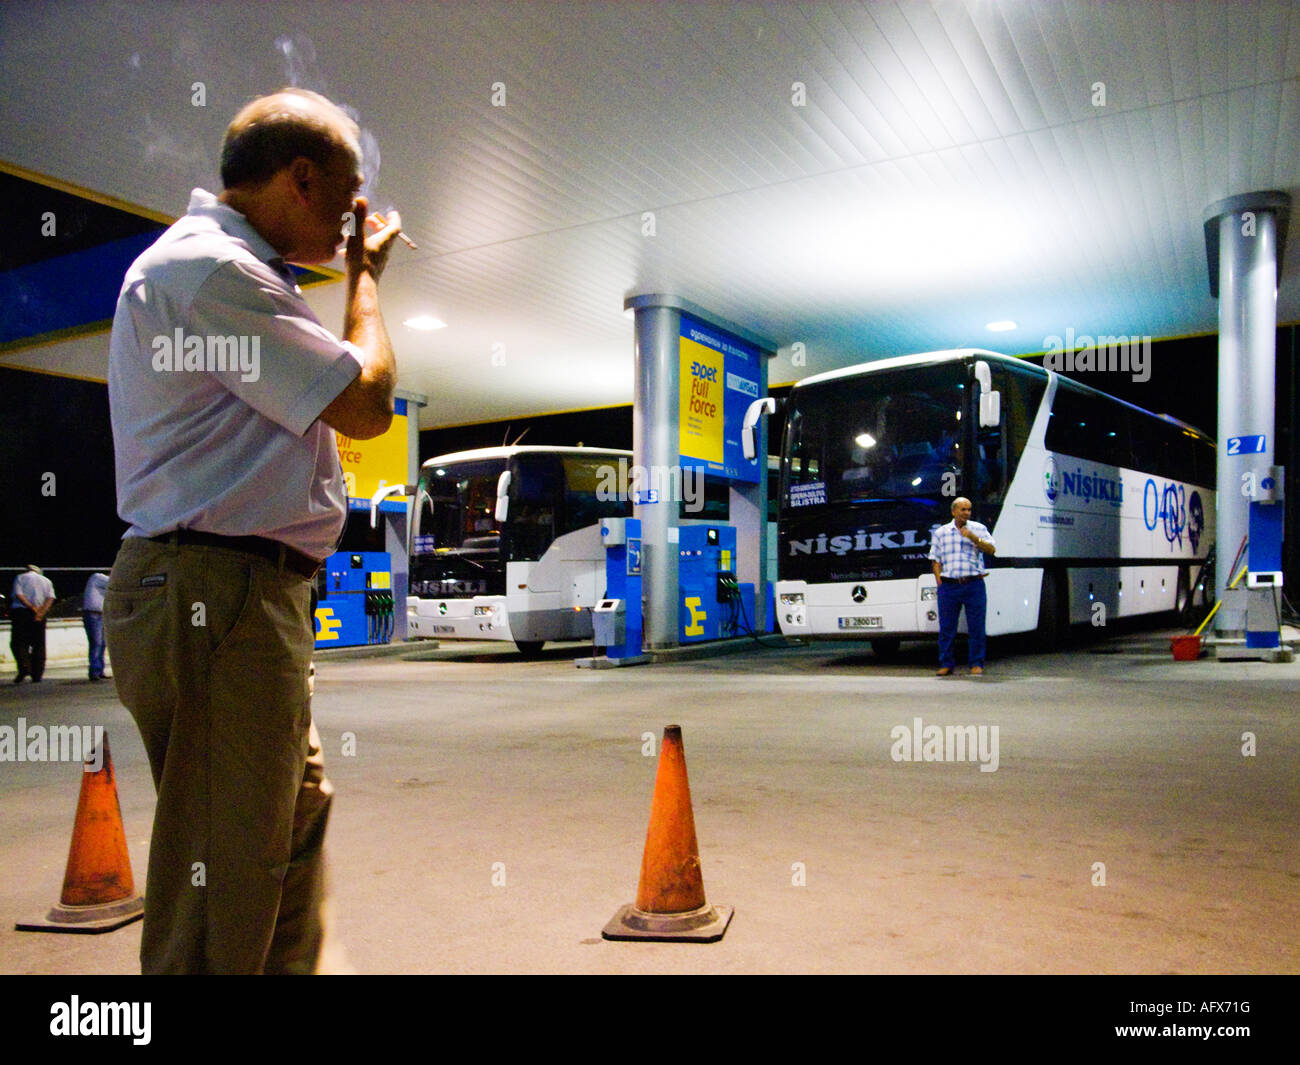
505, 544
1099, 509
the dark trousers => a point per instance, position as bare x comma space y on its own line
952, 597
27, 641
94, 622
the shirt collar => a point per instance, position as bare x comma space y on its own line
204, 205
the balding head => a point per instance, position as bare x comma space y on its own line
271, 132
961, 509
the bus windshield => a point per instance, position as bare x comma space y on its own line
550, 494
892, 435
456, 508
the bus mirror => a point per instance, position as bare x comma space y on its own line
749, 430
503, 496
990, 410
383, 493
990, 401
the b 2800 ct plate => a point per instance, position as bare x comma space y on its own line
871, 622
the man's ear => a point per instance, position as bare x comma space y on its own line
302, 174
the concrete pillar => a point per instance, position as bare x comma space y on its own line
654, 449
1244, 241
748, 508
656, 444
398, 535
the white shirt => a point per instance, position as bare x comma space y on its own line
222, 445
36, 588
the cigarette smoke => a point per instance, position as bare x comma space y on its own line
303, 71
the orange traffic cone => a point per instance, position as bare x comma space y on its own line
670, 903
98, 891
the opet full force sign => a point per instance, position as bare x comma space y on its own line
718, 376
382, 460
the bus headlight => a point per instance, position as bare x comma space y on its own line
929, 593
484, 611
792, 598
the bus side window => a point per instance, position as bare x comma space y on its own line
990, 481
990, 459
1022, 395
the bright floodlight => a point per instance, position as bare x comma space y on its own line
425, 323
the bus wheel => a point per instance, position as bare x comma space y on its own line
1053, 611
886, 647
530, 648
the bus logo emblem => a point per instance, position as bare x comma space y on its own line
859, 594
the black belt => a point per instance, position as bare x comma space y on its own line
964, 580
271, 550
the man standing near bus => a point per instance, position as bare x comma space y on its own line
229, 477
957, 553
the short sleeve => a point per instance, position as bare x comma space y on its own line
278, 358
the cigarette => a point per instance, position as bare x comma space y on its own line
380, 220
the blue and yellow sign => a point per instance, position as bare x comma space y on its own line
718, 379
382, 460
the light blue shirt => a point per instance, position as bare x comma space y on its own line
217, 374
956, 555
92, 599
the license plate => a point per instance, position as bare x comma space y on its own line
874, 622
444, 628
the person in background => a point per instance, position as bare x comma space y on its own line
33, 596
92, 616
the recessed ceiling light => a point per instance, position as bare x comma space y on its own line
425, 323
1002, 326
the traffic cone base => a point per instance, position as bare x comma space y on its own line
705, 925
87, 920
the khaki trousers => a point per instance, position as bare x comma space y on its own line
210, 651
